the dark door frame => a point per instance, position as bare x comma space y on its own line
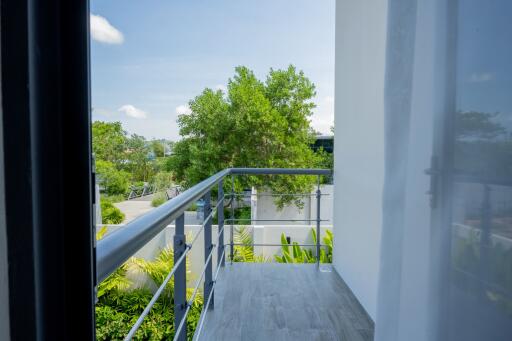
47, 156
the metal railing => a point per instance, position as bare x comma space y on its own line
116, 248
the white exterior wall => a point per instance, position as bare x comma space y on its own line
263, 207
359, 144
262, 234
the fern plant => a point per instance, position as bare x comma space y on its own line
120, 304
245, 252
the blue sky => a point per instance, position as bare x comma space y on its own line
149, 58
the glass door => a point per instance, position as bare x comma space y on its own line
476, 237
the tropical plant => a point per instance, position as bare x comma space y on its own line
120, 302
109, 213
245, 252
296, 255
293, 253
325, 254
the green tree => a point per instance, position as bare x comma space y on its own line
158, 147
255, 124
112, 181
109, 142
137, 155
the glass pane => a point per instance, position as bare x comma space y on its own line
481, 255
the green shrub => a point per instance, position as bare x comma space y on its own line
112, 181
158, 199
115, 198
163, 180
109, 213
305, 255
119, 305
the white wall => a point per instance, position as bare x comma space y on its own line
359, 144
263, 207
262, 234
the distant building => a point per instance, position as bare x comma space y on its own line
324, 141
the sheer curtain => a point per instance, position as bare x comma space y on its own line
446, 245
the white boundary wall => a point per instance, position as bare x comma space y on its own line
262, 234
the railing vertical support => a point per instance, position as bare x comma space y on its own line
231, 239
318, 196
180, 276
221, 256
208, 246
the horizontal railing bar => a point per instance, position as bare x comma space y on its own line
258, 244
280, 171
113, 250
155, 297
197, 333
280, 194
249, 219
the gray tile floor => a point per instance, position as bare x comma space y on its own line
255, 301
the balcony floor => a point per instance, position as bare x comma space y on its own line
267, 301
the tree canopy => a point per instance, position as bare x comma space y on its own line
254, 124
122, 160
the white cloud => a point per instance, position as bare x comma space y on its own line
481, 77
323, 115
221, 87
183, 110
130, 110
104, 32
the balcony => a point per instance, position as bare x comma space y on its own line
241, 300
284, 302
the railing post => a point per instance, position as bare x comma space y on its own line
221, 256
208, 246
231, 239
180, 276
318, 196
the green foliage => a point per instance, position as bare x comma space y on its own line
137, 158
467, 260
158, 199
109, 213
163, 180
115, 198
158, 148
120, 304
121, 158
109, 140
255, 124
112, 181
298, 254
325, 254
245, 252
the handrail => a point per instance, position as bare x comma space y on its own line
113, 250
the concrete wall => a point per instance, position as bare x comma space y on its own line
263, 207
359, 144
262, 234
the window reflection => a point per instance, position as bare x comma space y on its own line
481, 258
